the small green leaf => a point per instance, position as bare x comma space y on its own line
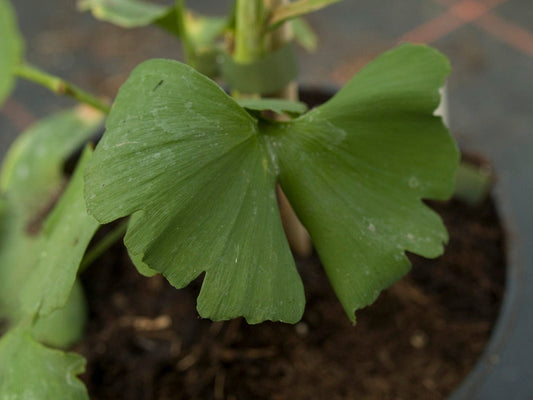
31, 174
19, 254
279, 106
17, 257
198, 33
29, 370
131, 13
11, 48
66, 326
296, 9
206, 188
66, 235
31, 181
304, 34
356, 169
204, 31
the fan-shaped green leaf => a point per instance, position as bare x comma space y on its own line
19, 254
126, 13
133, 13
205, 188
31, 175
31, 181
29, 370
65, 236
11, 48
356, 169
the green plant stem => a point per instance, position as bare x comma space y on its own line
295, 231
188, 47
283, 33
60, 86
249, 31
109, 240
473, 183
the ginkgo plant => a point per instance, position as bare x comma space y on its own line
196, 171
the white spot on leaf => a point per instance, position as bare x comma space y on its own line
413, 182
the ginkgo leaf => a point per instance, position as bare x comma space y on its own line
198, 33
11, 48
29, 370
205, 185
304, 34
65, 326
126, 13
30, 183
135, 13
355, 170
19, 255
31, 175
296, 9
65, 235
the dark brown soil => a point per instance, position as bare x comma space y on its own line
418, 341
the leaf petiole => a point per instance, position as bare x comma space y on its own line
109, 240
60, 86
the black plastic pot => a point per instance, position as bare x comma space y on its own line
505, 371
